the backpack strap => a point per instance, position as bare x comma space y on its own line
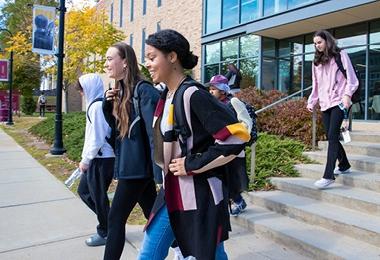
135, 98
181, 127
338, 61
88, 108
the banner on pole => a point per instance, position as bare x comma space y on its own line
4, 75
43, 29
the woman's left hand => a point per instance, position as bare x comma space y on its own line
177, 166
346, 101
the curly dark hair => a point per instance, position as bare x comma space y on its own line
170, 40
331, 50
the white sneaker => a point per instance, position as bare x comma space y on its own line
323, 183
337, 171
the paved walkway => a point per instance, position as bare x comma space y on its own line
41, 219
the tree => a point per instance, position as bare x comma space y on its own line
87, 38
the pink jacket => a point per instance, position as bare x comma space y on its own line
330, 85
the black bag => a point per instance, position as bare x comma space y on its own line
356, 95
252, 113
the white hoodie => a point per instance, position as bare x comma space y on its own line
98, 128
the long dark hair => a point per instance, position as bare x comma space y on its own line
170, 40
122, 104
330, 51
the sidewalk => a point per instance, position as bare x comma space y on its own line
41, 219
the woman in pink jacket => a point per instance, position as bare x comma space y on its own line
333, 92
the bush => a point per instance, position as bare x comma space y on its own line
28, 105
73, 128
275, 157
289, 119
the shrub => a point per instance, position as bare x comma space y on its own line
73, 128
289, 119
28, 105
275, 156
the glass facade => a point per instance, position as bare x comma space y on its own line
286, 64
229, 13
241, 51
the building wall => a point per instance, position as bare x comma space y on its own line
181, 15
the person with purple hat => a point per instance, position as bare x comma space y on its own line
237, 177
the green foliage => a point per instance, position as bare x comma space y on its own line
28, 105
275, 156
27, 76
73, 133
289, 119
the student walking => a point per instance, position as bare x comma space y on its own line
42, 103
129, 109
194, 136
333, 91
237, 171
97, 157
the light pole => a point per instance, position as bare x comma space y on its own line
57, 148
10, 120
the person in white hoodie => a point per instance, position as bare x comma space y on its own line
98, 157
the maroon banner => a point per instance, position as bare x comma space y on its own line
4, 70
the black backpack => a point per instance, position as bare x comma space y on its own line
356, 95
252, 113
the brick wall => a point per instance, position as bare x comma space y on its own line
183, 16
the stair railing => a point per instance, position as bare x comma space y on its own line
314, 127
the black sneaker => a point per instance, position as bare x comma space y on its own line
96, 240
237, 208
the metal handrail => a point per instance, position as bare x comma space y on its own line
282, 100
314, 127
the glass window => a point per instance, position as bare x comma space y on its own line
158, 28
249, 45
213, 53
374, 36
374, 83
296, 3
351, 35
296, 74
269, 47
249, 70
249, 10
230, 49
121, 13
269, 78
144, 7
210, 71
284, 48
307, 80
159, 3
224, 69
213, 15
230, 13
111, 13
143, 46
357, 56
309, 43
274, 6
131, 40
131, 11
284, 75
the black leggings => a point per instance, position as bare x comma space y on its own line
128, 193
332, 120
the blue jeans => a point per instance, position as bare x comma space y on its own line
159, 236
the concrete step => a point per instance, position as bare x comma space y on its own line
365, 136
362, 148
358, 179
349, 197
359, 162
367, 126
309, 240
349, 222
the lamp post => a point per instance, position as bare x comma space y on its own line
10, 120
57, 148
